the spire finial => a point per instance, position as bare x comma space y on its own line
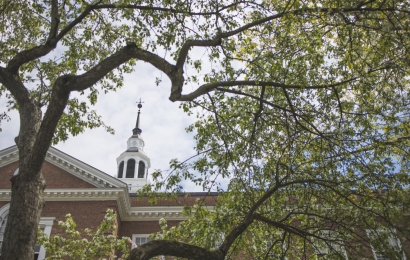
137, 130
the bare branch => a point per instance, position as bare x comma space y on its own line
258, 113
254, 97
212, 86
288, 228
173, 10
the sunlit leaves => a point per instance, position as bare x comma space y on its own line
317, 135
330, 137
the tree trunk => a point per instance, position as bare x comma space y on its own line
24, 215
27, 188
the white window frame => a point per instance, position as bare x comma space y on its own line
133, 245
45, 222
134, 236
392, 240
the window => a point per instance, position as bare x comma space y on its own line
3, 221
130, 168
46, 223
37, 248
385, 244
120, 169
329, 246
141, 169
140, 239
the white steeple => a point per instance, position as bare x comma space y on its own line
133, 164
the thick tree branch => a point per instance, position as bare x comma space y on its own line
55, 21
41, 50
30, 116
217, 40
58, 102
212, 86
86, 80
13, 84
178, 249
250, 215
258, 113
254, 97
173, 248
172, 10
287, 228
248, 219
67, 83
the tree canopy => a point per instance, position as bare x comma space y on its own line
304, 107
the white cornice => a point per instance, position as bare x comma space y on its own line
9, 155
70, 164
108, 188
120, 195
82, 170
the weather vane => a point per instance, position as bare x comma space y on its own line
139, 104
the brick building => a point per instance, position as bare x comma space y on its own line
85, 192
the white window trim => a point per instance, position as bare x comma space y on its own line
392, 239
134, 236
45, 222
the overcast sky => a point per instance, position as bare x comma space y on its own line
162, 122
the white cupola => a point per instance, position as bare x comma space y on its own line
133, 164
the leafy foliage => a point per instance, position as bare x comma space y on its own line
101, 244
303, 109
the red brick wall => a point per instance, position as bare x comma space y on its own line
86, 214
55, 177
5, 174
2, 203
59, 178
180, 201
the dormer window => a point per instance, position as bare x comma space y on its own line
141, 169
130, 168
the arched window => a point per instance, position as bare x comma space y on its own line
130, 168
120, 169
4, 213
141, 169
46, 224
